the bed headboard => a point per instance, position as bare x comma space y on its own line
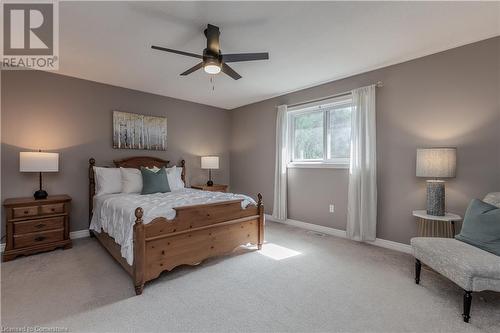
130, 162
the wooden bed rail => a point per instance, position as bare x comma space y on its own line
161, 236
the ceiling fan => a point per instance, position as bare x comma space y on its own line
213, 61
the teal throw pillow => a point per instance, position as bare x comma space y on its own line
154, 182
481, 227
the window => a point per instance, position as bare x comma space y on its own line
320, 134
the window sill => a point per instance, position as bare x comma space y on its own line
317, 165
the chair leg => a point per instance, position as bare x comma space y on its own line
467, 303
418, 268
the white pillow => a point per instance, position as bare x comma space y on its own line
131, 180
107, 180
493, 199
174, 178
154, 169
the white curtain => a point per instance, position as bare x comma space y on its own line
362, 197
280, 171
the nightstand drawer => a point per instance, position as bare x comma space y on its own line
24, 211
25, 227
36, 238
52, 209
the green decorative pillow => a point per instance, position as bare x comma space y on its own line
154, 182
481, 227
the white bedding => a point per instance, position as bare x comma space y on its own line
115, 213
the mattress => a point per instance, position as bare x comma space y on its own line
115, 213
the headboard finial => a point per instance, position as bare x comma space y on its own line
259, 197
138, 214
92, 161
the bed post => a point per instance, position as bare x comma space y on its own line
91, 190
260, 207
183, 172
139, 251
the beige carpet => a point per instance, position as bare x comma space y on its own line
332, 285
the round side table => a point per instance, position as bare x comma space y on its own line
436, 226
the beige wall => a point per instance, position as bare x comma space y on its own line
446, 99
74, 117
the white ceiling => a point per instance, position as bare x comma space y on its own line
309, 43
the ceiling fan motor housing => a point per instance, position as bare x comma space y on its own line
210, 57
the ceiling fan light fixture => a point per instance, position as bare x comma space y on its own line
213, 61
212, 68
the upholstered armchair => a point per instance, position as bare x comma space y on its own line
470, 267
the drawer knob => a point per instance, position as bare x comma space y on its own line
26, 211
40, 225
39, 238
52, 209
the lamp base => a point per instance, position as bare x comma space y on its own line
40, 194
435, 197
210, 183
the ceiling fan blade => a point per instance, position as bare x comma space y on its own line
236, 57
229, 71
177, 52
192, 69
212, 33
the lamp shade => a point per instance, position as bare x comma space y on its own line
436, 162
38, 162
210, 162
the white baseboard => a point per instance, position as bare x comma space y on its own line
73, 235
392, 245
341, 233
79, 234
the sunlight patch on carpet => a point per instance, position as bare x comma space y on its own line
277, 252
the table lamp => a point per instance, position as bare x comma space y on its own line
39, 162
210, 162
436, 163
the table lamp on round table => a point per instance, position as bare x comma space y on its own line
436, 163
39, 162
210, 162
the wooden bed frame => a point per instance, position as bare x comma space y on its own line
196, 233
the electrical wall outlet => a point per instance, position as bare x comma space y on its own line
332, 208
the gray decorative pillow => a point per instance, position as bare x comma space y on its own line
154, 182
481, 227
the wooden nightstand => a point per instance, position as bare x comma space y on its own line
436, 226
213, 188
36, 225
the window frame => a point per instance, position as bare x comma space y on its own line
325, 106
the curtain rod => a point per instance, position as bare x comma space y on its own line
379, 84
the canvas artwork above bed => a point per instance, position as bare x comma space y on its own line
137, 131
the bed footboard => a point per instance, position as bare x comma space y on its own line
195, 234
